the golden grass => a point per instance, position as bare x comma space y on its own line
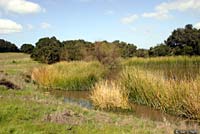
69, 75
109, 95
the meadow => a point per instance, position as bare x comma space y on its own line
30, 109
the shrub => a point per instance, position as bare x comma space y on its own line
27, 48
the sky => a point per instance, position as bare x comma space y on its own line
144, 23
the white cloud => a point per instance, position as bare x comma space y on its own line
180, 5
197, 25
162, 11
20, 6
9, 26
158, 15
45, 25
129, 19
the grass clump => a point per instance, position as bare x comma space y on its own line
108, 95
69, 75
176, 97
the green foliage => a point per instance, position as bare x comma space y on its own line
159, 50
51, 50
77, 50
27, 48
126, 49
47, 50
184, 41
142, 53
6, 46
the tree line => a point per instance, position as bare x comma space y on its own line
182, 41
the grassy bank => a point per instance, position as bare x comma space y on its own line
69, 75
32, 112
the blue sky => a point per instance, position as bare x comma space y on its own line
142, 22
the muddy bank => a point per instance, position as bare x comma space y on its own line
8, 84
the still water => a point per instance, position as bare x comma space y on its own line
82, 99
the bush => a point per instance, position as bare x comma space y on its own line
6, 46
27, 48
47, 50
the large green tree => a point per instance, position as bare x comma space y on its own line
47, 50
160, 50
6, 46
185, 41
27, 48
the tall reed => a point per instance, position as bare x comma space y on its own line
176, 97
179, 68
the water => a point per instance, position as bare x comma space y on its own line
82, 99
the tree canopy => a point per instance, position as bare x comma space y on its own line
184, 41
27, 48
6, 46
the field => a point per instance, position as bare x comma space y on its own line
31, 110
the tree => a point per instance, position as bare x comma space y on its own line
126, 50
142, 53
27, 48
6, 46
184, 41
107, 53
47, 50
160, 50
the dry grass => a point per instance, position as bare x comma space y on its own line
108, 95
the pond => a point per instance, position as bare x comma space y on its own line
82, 99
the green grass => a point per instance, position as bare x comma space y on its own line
23, 112
13, 63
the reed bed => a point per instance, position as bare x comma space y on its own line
69, 75
109, 96
179, 67
180, 97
